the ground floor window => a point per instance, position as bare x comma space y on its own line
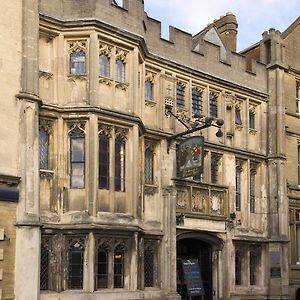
247, 264
64, 260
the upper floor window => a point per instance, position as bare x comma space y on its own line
238, 175
197, 101
252, 186
120, 141
149, 164
213, 104
77, 156
252, 118
104, 164
238, 118
104, 64
298, 148
298, 97
180, 94
44, 133
77, 52
214, 170
149, 90
120, 71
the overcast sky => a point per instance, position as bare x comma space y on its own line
253, 16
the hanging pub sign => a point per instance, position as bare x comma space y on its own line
190, 155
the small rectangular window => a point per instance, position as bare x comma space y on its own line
213, 104
119, 259
149, 161
44, 264
102, 267
298, 164
149, 90
254, 264
252, 186
238, 267
150, 263
120, 71
215, 158
104, 65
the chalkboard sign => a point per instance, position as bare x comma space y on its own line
192, 277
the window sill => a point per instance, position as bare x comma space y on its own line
105, 80
252, 131
150, 103
150, 189
239, 127
72, 77
121, 85
48, 174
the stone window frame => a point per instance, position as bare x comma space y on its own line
238, 183
294, 220
121, 60
252, 117
253, 186
215, 164
77, 46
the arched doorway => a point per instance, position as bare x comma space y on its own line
200, 247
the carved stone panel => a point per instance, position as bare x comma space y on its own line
199, 200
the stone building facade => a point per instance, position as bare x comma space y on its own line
102, 212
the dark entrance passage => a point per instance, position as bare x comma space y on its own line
202, 251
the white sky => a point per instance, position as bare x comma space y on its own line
253, 16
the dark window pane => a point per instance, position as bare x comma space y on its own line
103, 162
75, 271
44, 272
238, 118
77, 145
238, 268
251, 120
180, 95
213, 104
150, 263
119, 269
238, 188
43, 148
104, 65
148, 166
102, 269
214, 167
196, 102
252, 188
77, 62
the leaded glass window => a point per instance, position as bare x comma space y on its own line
119, 164
149, 164
44, 265
77, 62
150, 263
196, 101
77, 158
254, 264
180, 94
120, 71
149, 90
102, 265
103, 161
119, 259
75, 263
104, 64
44, 148
213, 104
